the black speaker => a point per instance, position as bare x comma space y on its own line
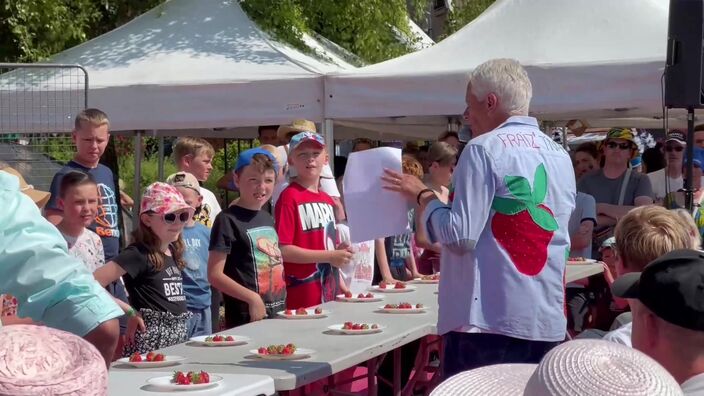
685, 55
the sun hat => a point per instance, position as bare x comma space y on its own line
40, 360
245, 158
670, 286
575, 368
184, 179
299, 125
162, 198
39, 197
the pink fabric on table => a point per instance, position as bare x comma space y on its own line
37, 361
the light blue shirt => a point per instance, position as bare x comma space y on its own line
195, 282
50, 285
504, 237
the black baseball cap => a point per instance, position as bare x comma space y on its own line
672, 286
676, 136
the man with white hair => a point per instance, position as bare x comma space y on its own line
504, 236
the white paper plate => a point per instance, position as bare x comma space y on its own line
413, 310
425, 281
239, 340
338, 328
390, 289
170, 361
342, 297
165, 383
311, 314
301, 353
585, 261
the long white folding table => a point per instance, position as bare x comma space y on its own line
334, 352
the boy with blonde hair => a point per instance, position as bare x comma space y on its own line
642, 235
195, 156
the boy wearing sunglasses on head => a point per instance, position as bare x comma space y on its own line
196, 236
669, 179
615, 187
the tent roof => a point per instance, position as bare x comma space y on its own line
586, 58
204, 63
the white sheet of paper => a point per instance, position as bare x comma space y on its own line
373, 212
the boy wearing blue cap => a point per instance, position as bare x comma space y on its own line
305, 222
245, 261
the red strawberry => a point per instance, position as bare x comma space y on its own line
348, 294
301, 311
419, 306
229, 338
263, 351
159, 357
150, 356
375, 326
288, 312
218, 338
399, 285
181, 378
318, 311
369, 295
382, 285
204, 377
136, 357
356, 326
360, 295
523, 226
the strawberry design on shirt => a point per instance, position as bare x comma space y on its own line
523, 225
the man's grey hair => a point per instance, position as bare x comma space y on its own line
505, 78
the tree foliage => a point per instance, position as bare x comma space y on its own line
32, 30
370, 29
464, 13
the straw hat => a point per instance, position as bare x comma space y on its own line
39, 197
296, 126
575, 368
39, 360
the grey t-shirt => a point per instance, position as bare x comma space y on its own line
584, 210
605, 190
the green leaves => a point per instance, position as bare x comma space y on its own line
527, 199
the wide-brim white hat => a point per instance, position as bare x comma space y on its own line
575, 368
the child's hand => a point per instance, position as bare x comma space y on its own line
607, 274
257, 310
342, 256
134, 324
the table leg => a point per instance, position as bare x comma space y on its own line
397, 372
371, 376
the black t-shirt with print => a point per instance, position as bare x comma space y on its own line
156, 290
249, 239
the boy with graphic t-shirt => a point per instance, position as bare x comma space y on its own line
196, 237
245, 260
305, 222
91, 135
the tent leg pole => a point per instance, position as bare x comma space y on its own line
137, 176
329, 141
161, 157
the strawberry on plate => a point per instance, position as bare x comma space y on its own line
136, 357
360, 295
382, 285
181, 378
150, 356
369, 295
318, 311
218, 338
301, 311
159, 357
288, 312
348, 294
400, 285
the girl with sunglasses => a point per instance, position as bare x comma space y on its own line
152, 267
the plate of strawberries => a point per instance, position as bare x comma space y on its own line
361, 297
434, 278
398, 287
304, 313
357, 328
151, 359
402, 308
220, 340
282, 352
182, 380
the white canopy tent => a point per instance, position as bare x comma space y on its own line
202, 64
588, 59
